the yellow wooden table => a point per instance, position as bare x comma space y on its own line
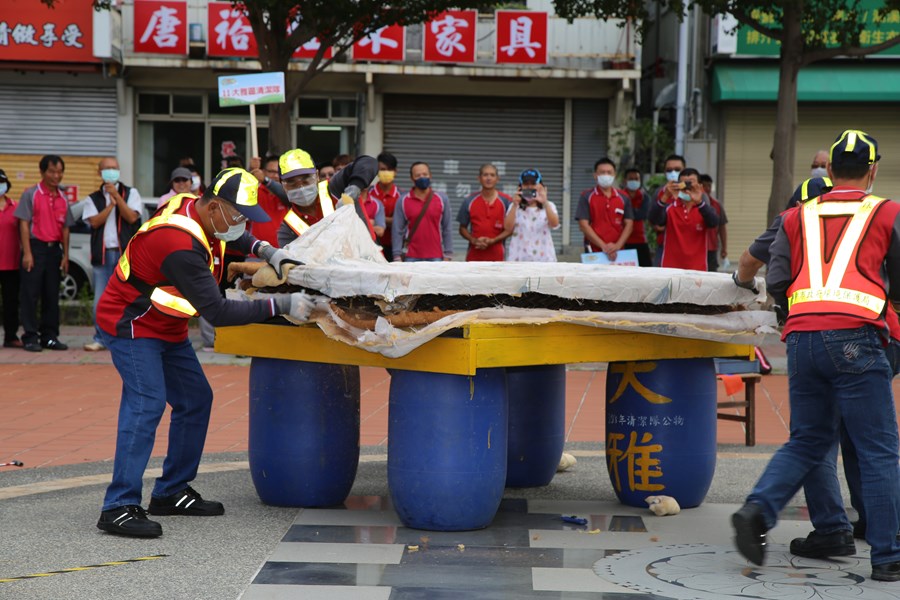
463, 351
461, 406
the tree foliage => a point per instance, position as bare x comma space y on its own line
808, 32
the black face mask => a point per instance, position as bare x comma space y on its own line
423, 183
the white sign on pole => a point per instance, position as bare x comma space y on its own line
257, 88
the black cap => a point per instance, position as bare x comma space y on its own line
530, 176
854, 148
809, 189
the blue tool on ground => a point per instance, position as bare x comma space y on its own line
574, 519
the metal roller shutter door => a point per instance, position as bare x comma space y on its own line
457, 135
590, 135
749, 132
58, 120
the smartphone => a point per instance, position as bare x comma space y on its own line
688, 185
530, 194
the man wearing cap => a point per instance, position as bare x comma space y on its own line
484, 213
180, 182
605, 215
10, 261
422, 221
44, 220
835, 264
114, 214
313, 199
168, 273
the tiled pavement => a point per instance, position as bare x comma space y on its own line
60, 410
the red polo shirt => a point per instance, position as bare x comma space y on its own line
10, 248
426, 241
606, 214
686, 240
486, 220
48, 214
389, 200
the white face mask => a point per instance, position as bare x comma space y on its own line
233, 233
303, 196
4, 187
819, 172
195, 183
672, 176
605, 181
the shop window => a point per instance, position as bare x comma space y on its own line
314, 108
153, 104
187, 105
343, 108
160, 147
324, 142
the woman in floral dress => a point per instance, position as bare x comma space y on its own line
534, 217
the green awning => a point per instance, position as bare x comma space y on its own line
872, 81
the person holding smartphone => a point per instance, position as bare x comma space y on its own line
531, 217
687, 216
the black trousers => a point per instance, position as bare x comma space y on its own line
9, 293
41, 284
643, 252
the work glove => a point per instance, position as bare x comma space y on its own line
747, 285
351, 194
298, 305
280, 260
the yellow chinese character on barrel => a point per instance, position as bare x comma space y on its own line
629, 372
640, 465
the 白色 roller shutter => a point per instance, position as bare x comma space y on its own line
590, 135
58, 120
456, 135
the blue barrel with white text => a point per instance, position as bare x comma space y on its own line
661, 429
537, 423
304, 431
447, 448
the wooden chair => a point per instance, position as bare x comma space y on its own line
748, 404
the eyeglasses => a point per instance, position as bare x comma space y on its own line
238, 218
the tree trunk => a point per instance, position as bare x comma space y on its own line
280, 127
783, 150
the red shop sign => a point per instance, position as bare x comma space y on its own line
160, 27
31, 31
450, 37
229, 32
521, 37
387, 44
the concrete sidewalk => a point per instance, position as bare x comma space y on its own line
60, 420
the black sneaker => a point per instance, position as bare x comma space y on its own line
54, 344
129, 520
186, 502
859, 530
815, 545
750, 532
886, 572
32, 347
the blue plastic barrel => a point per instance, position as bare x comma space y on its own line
661, 429
304, 431
447, 448
537, 423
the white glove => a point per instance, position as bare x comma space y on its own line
302, 305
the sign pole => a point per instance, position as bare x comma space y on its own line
254, 144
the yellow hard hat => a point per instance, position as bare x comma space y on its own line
239, 188
295, 162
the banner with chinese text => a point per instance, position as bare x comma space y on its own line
450, 37
387, 44
31, 31
229, 33
257, 88
521, 37
160, 27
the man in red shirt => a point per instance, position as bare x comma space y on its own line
169, 273
640, 204
44, 221
604, 215
718, 236
686, 219
672, 167
485, 213
271, 198
426, 238
387, 193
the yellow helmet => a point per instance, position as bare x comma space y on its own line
295, 162
239, 188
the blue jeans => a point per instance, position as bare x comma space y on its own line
102, 273
155, 372
835, 376
821, 488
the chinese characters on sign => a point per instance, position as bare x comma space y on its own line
385, 44
257, 88
640, 465
450, 37
230, 33
160, 27
308, 50
521, 37
35, 32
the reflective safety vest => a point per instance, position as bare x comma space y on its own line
297, 224
845, 290
167, 299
